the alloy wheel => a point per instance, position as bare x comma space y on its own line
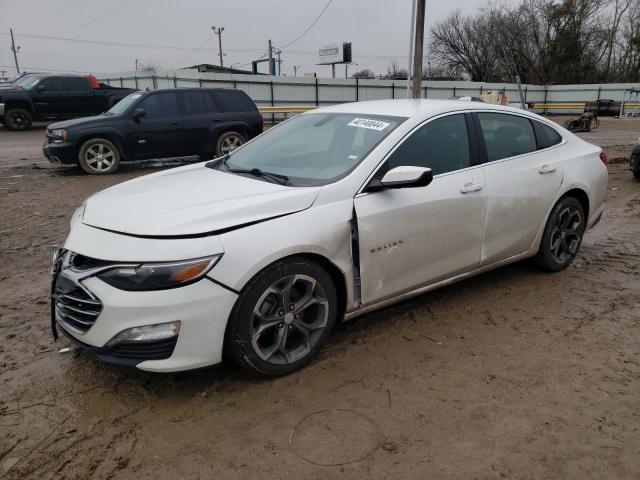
19, 120
566, 234
288, 319
100, 157
230, 143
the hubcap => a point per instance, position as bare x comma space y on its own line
19, 120
566, 234
230, 143
100, 157
288, 319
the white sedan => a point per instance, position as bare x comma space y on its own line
333, 213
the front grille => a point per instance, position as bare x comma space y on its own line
74, 305
156, 350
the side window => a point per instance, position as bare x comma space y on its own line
51, 84
234, 101
441, 145
545, 135
506, 135
160, 105
74, 84
193, 103
209, 103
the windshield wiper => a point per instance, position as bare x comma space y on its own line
256, 172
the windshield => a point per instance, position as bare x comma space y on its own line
124, 104
27, 81
316, 148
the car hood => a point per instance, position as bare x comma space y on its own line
192, 201
83, 121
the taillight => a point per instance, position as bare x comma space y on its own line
261, 121
604, 158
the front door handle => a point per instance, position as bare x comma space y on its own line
471, 187
546, 169
175, 124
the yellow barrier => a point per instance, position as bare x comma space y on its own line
283, 109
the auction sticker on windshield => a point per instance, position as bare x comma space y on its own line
367, 123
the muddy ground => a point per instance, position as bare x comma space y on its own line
513, 374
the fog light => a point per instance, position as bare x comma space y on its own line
147, 333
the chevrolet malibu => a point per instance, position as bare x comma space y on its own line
333, 213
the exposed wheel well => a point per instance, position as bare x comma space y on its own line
581, 196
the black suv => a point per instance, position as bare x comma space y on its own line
156, 124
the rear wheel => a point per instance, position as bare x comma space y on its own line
228, 142
99, 156
562, 235
282, 318
18, 119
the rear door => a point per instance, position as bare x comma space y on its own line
78, 95
522, 180
200, 117
48, 97
157, 133
418, 236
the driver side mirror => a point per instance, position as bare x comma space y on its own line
402, 177
138, 113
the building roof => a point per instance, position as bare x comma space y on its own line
208, 67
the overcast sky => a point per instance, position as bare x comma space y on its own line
378, 29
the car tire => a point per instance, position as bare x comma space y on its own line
562, 235
18, 119
282, 318
228, 142
635, 166
99, 156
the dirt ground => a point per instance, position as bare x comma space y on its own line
513, 374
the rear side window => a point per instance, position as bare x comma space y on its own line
545, 135
160, 105
74, 84
506, 135
234, 101
194, 103
441, 145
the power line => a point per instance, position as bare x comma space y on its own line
113, 10
310, 26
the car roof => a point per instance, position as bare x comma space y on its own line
413, 107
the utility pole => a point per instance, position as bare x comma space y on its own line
295, 70
218, 32
279, 62
411, 41
416, 71
136, 64
15, 50
271, 72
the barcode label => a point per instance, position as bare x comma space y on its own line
367, 123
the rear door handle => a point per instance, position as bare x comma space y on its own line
546, 169
471, 187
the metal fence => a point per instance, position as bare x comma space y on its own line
268, 90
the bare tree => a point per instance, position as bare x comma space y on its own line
364, 73
394, 72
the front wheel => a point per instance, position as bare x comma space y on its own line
18, 119
99, 156
228, 142
562, 235
283, 318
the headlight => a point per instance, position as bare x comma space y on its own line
59, 134
158, 276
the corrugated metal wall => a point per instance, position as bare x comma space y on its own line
274, 90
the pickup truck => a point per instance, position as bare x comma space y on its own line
46, 96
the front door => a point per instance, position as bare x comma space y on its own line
414, 237
157, 133
48, 98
